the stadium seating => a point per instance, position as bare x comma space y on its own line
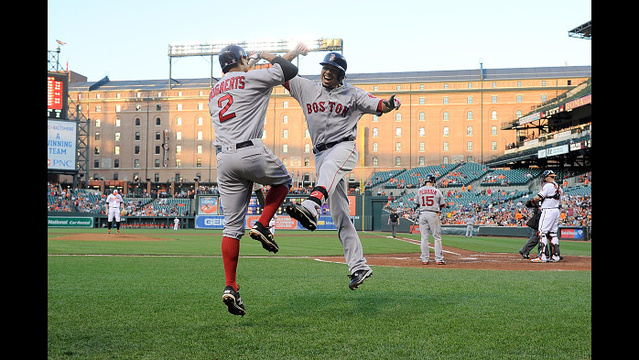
502, 177
464, 174
412, 178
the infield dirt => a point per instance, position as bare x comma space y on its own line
455, 258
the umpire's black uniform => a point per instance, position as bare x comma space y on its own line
532, 223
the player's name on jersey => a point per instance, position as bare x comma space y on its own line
232, 83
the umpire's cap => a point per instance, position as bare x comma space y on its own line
229, 56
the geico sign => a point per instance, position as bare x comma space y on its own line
214, 222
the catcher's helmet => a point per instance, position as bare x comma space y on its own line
547, 173
229, 56
335, 59
430, 178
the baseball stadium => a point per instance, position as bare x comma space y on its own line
152, 290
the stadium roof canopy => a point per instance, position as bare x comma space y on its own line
361, 78
583, 31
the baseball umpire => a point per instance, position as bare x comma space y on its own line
238, 104
532, 223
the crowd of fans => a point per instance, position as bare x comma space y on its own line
66, 200
576, 210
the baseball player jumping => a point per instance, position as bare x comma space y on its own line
430, 201
114, 203
332, 109
238, 103
550, 197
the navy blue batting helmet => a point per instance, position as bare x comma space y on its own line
430, 178
335, 59
230, 56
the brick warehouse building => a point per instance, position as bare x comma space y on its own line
145, 129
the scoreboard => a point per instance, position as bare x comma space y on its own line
61, 140
57, 95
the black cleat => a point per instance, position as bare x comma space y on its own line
233, 301
262, 234
301, 214
358, 278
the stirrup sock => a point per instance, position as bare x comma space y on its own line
230, 256
274, 198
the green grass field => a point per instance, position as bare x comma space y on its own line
169, 306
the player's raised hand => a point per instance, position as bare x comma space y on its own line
392, 103
254, 58
301, 49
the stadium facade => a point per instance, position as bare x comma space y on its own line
145, 131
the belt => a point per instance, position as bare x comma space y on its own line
322, 146
239, 145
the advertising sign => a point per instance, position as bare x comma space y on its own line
64, 221
282, 222
61, 145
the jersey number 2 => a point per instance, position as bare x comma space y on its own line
229, 101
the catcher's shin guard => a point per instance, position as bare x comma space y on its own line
554, 245
543, 246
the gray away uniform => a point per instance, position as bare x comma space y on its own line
332, 116
238, 104
430, 201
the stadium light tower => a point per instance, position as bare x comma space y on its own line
272, 46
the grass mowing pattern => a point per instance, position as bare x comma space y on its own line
170, 308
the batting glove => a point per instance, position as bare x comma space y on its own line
254, 58
393, 103
301, 49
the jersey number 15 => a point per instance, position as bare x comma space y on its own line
428, 200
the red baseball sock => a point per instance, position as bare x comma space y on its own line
230, 255
272, 202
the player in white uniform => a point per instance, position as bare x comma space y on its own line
550, 197
176, 223
113, 203
238, 103
430, 201
332, 109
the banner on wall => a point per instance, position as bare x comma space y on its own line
282, 222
